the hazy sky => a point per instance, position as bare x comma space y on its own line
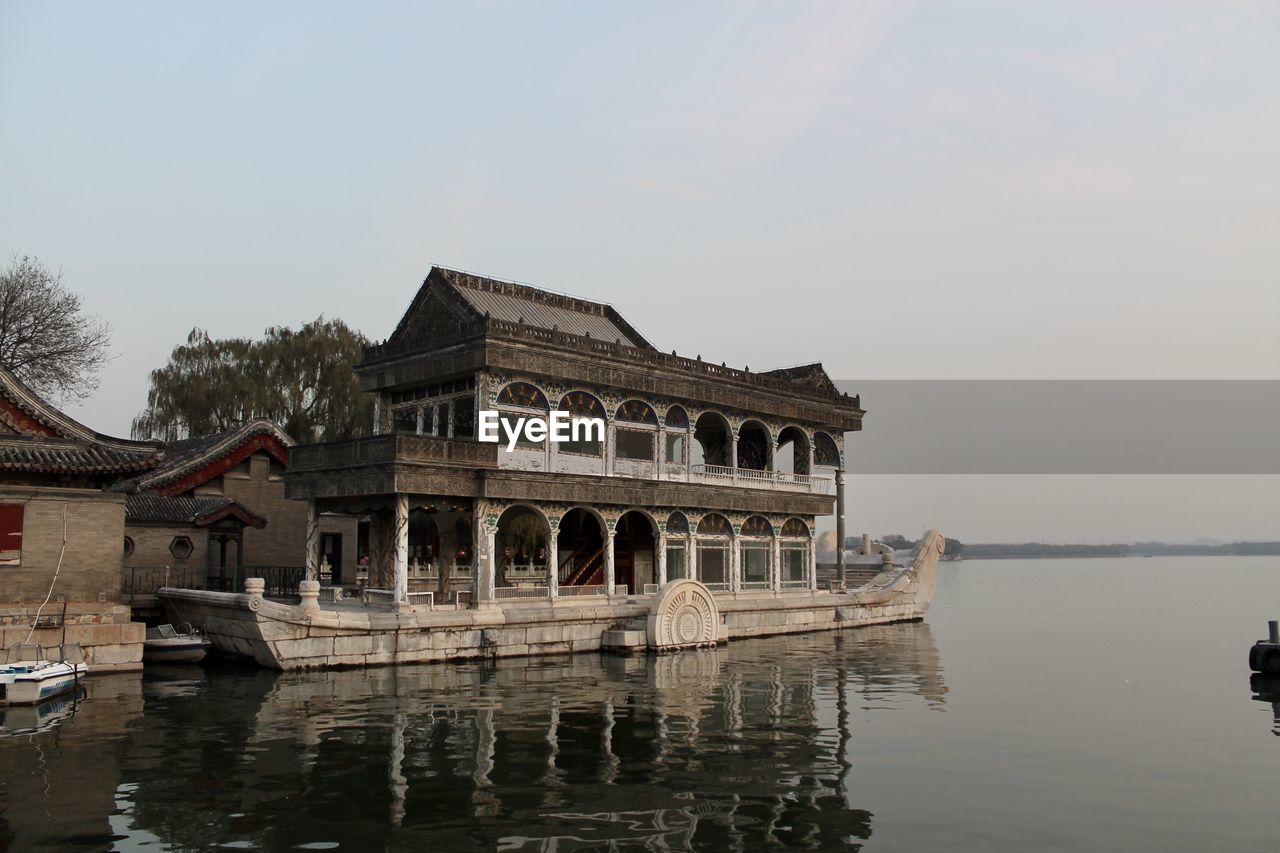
933, 190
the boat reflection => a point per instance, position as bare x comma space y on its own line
735, 748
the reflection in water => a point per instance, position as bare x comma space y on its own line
733, 748
1266, 688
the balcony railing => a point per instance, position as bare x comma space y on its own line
756, 478
281, 581
520, 592
387, 598
591, 589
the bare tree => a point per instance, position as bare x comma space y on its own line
45, 339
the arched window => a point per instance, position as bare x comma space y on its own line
756, 554
522, 394
825, 451
793, 451
637, 412
795, 527
677, 561
631, 443
754, 446
713, 551
580, 404
713, 440
714, 524
677, 421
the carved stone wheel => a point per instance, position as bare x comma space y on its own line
684, 615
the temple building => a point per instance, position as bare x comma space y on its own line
216, 509
62, 529
704, 471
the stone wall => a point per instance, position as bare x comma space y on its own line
110, 641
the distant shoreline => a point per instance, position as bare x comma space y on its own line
1038, 551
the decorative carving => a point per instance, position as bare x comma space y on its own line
684, 616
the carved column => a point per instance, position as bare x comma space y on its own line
735, 564
775, 563
660, 450
313, 541
609, 439
381, 532
485, 527
608, 562
840, 574
400, 560
812, 555
553, 561
660, 558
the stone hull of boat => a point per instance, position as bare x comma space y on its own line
289, 636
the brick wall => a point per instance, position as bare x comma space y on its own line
283, 541
151, 546
91, 566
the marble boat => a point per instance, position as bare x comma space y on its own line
680, 614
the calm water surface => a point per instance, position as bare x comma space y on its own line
1057, 705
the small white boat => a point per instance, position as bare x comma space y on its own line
29, 676
168, 644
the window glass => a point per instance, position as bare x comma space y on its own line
507, 422
675, 562
793, 563
755, 562
633, 444
713, 563
675, 448
463, 418
405, 420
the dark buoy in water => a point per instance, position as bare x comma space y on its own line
1264, 657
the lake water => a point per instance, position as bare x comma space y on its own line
1051, 705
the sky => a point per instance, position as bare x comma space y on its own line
902, 191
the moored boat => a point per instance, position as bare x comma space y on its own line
28, 675
167, 644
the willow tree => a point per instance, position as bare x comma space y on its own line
303, 380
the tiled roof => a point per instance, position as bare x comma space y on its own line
46, 455
191, 454
36, 437
518, 303
198, 511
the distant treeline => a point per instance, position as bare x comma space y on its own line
1010, 550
